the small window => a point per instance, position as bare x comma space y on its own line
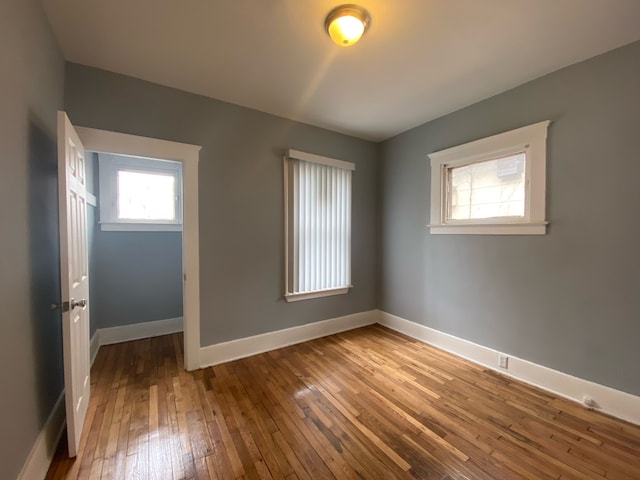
138, 194
487, 189
495, 185
318, 226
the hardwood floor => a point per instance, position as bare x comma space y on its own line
365, 404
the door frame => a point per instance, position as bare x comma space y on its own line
103, 141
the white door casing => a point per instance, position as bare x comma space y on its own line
103, 141
74, 271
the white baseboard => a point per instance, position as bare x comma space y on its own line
245, 347
608, 400
137, 331
41, 455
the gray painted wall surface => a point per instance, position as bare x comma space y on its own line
135, 276
241, 196
568, 300
31, 86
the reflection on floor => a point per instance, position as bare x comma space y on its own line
369, 403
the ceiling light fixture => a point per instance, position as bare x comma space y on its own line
345, 24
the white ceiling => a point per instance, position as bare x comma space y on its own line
419, 60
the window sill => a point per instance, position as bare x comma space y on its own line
490, 229
296, 297
140, 227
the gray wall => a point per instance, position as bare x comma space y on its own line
135, 276
31, 86
241, 196
568, 300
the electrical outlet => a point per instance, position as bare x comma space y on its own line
503, 361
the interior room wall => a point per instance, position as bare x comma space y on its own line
241, 196
31, 91
567, 300
137, 277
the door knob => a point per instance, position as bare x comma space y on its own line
78, 303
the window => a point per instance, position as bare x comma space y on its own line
140, 194
487, 189
317, 226
495, 185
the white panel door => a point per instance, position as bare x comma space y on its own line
75, 277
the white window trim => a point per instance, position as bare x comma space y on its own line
296, 297
310, 157
531, 140
108, 166
307, 157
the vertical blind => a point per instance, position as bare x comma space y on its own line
318, 204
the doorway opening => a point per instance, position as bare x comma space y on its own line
113, 143
135, 247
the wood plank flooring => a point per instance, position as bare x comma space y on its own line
365, 404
